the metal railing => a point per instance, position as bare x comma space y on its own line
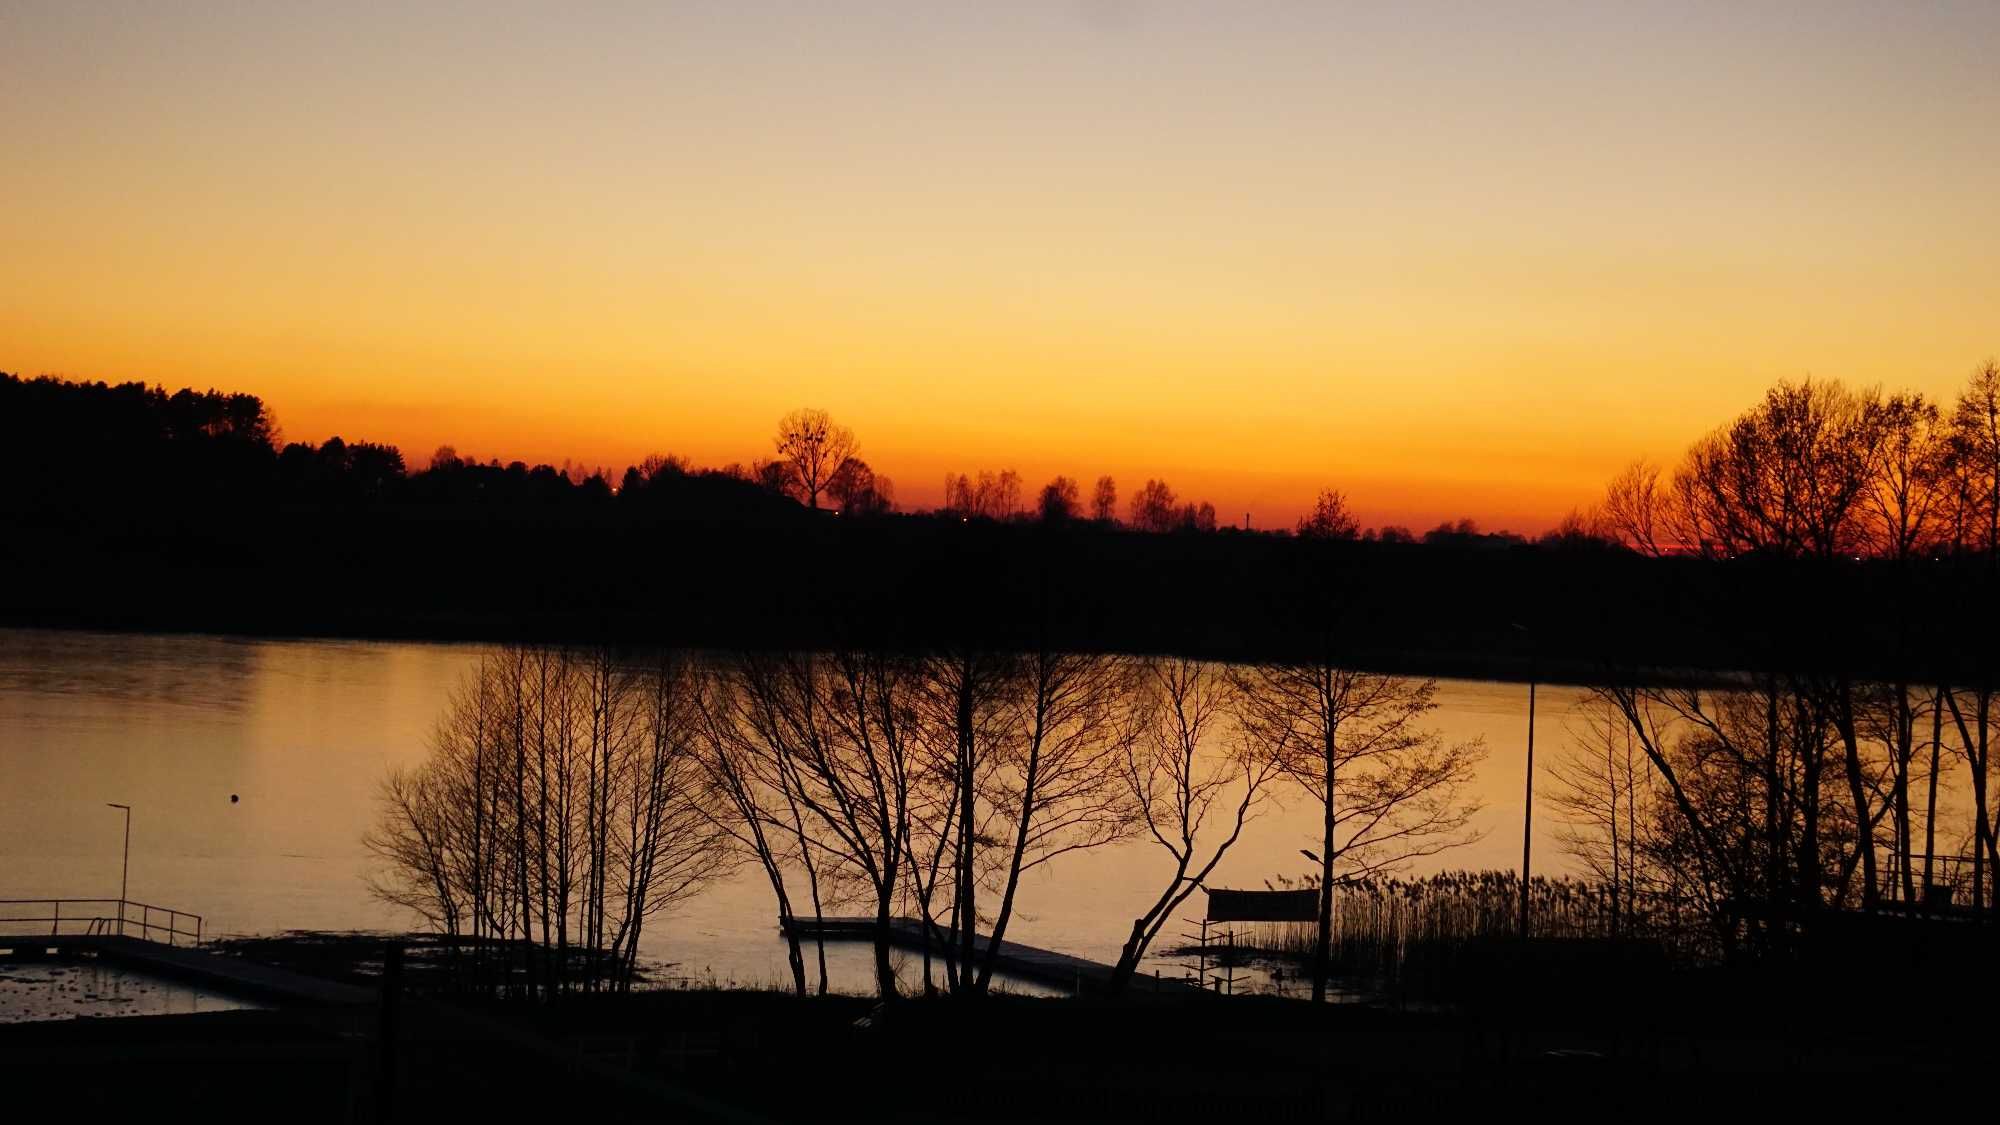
93, 917
1949, 890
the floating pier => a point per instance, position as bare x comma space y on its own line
165, 945
1043, 966
232, 975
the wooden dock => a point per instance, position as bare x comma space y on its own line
224, 974
1027, 962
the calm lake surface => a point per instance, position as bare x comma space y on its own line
302, 733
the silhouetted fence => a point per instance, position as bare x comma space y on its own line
98, 917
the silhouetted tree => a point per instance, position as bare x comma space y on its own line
1059, 501
1908, 495
993, 496
752, 805
962, 703
1785, 479
1022, 756
775, 477
1813, 476
858, 491
1153, 507
1975, 487
1599, 783
1061, 790
1389, 790
836, 728
1177, 782
374, 470
1636, 507
1905, 516
1329, 519
235, 419
1734, 839
98, 456
1788, 480
561, 806
812, 448
1104, 500
1582, 528
1449, 534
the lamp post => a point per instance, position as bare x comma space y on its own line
1528, 803
124, 868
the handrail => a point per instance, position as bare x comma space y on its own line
120, 921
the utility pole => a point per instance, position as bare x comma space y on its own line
1528, 802
124, 868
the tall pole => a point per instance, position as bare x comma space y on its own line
1528, 812
1528, 802
125, 867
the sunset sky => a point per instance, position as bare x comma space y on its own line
1454, 259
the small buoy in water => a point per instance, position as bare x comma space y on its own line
232, 798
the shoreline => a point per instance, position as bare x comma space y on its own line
1468, 667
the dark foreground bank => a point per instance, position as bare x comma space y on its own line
1543, 1041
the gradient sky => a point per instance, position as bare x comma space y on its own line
1455, 259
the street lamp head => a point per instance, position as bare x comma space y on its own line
116, 805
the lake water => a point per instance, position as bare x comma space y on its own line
85, 988
301, 733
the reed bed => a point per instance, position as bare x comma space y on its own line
1412, 936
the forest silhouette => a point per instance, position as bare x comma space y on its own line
129, 506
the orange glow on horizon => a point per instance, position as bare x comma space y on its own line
1453, 261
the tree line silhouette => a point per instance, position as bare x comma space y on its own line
132, 506
81, 445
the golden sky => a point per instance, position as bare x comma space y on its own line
1454, 259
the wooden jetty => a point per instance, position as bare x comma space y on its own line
1027, 962
231, 975
155, 940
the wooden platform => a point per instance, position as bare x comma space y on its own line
1044, 966
224, 974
